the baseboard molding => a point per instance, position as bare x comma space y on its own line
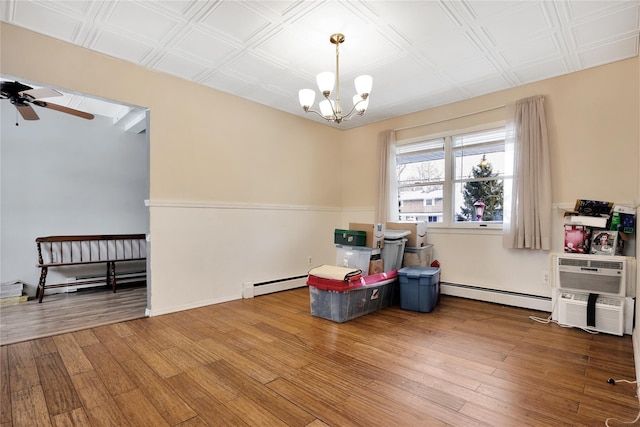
516, 299
173, 309
250, 289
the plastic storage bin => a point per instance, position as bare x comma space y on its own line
354, 257
392, 253
417, 256
340, 301
419, 288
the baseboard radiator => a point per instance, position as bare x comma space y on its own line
254, 289
516, 299
75, 283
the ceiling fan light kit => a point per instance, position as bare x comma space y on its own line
330, 109
23, 96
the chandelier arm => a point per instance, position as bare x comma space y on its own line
309, 110
350, 113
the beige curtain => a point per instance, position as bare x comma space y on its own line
387, 205
527, 224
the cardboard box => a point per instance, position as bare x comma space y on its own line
376, 266
589, 221
375, 233
418, 229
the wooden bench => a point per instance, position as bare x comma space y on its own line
60, 251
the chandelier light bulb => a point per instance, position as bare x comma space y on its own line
306, 97
326, 108
363, 85
326, 81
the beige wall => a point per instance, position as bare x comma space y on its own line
205, 144
592, 118
241, 192
593, 123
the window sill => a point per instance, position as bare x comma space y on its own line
490, 229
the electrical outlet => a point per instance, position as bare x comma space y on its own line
545, 277
309, 260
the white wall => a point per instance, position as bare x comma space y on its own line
65, 175
216, 248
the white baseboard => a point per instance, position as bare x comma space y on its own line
250, 289
173, 309
533, 302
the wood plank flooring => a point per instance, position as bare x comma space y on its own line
267, 362
67, 312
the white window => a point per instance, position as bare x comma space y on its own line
462, 174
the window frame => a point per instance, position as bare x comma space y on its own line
449, 182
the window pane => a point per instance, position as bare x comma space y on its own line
421, 203
420, 162
472, 164
479, 138
471, 150
467, 194
418, 173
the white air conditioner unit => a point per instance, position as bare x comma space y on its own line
609, 312
596, 274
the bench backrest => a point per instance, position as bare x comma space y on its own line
70, 250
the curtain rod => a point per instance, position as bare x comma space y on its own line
451, 118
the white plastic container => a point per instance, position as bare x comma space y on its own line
354, 257
392, 253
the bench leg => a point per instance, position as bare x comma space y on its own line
41, 283
111, 275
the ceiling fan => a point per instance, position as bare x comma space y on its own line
23, 96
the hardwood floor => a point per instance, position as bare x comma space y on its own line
69, 312
267, 362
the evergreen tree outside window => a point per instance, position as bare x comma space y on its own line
479, 174
489, 192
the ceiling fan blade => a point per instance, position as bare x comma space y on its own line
43, 92
27, 112
63, 109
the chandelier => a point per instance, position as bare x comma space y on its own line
330, 109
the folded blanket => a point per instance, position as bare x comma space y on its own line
334, 272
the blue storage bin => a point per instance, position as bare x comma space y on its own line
419, 288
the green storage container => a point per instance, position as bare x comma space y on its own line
350, 237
